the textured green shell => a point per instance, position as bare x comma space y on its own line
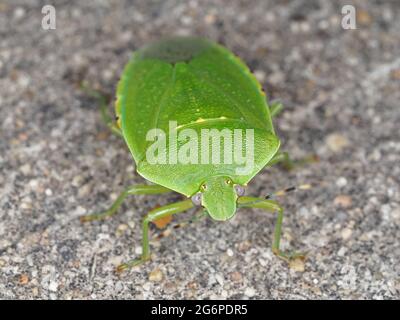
200, 85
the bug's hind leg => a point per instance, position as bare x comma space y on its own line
153, 215
136, 189
272, 206
286, 161
102, 99
275, 108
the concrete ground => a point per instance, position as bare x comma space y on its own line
58, 161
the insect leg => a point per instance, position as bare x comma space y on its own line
275, 108
282, 157
271, 206
288, 163
136, 189
102, 99
155, 214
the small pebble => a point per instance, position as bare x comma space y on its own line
19, 13
346, 233
80, 211
244, 246
121, 229
23, 279
260, 75
342, 251
224, 294
26, 169
395, 74
193, 285
236, 276
35, 291
297, 264
210, 19
33, 184
262, 262
147, 286
219, 279
186, 20
53, 286
363, 17
131, 224
343, 201
76, 181
115, 261
156, 275
337, 142
250, 292
119, 286
84, 191
26, 205
162, 222
395, 214
341, 182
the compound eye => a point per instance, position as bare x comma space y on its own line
203, 187
240, 190
196, 199
228, 181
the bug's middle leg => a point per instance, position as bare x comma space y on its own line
271, 206
153, 215
131, 190
102, 100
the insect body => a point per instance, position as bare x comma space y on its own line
171, 95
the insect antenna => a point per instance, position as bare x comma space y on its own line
285, 191
279, 193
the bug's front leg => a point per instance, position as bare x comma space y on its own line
153, 215
271, 206
288, 163
132, 190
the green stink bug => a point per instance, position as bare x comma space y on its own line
198, 85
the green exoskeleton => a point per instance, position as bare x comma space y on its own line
198, 85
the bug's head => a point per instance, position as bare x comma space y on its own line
218, 195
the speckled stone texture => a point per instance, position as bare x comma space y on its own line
58, 161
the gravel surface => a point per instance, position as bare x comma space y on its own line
58, 161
